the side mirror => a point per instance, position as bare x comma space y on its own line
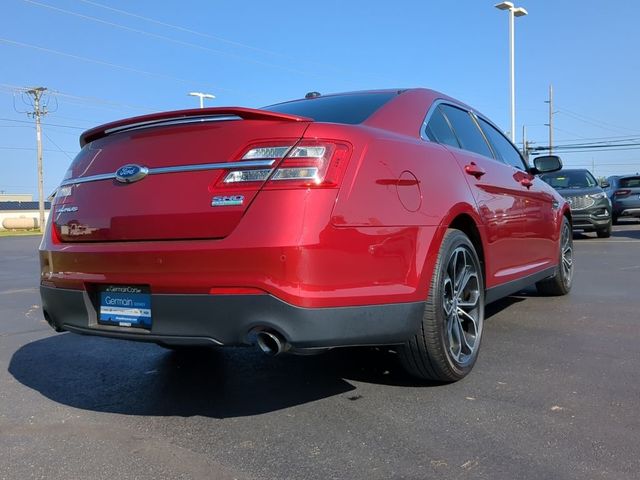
604, 184
547, 164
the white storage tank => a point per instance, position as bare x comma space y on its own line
20, 223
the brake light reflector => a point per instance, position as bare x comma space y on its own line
263, 153
622, 193
297, 173
247, 176
311, 163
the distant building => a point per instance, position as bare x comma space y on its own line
21, 214
16, 197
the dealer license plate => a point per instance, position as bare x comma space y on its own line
125, 306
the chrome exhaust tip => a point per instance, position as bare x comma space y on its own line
271, 343
51, 323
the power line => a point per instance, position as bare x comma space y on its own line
101, 102
57, 146
585, 150
570, 133
111, 65
616, 137
595, 122
44, 123
214, 37
172, 40
187, 30
33, 149
599, 144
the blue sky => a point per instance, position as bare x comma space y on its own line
108, 59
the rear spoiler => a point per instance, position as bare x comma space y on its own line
182, 116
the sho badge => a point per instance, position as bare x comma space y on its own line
227, 200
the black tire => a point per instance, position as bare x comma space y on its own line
434, 353
614, 220
560, 283
604, 232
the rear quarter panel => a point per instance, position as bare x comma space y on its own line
410, 188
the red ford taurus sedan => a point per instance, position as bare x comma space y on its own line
369, 218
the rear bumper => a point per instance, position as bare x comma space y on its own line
192, 319
628, 212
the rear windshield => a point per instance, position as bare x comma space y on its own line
630, 182
570, 179
352, 109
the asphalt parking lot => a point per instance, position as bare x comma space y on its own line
555, 395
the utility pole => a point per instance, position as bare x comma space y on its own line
37, 113
550, 124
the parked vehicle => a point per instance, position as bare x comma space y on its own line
370, 218
590, 206
624, 192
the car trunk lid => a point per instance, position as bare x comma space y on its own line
158, 177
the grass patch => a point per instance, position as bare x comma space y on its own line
19, 233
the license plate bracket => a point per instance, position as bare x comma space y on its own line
125, 306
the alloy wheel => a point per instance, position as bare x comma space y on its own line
566, 256
461, 304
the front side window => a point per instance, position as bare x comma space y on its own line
503, 147
466, 130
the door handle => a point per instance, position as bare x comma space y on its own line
475, 170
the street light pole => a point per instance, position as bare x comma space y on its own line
202, 96
513, 12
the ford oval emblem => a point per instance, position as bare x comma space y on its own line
131, 173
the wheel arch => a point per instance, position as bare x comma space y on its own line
463, 217
466, 224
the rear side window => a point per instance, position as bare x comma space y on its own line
630, 182
350, 109
438, 129
466, 130
503, 147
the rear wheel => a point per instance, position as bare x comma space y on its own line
560, 283
614, 219
446, 346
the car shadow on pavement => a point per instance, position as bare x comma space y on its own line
627, 234
143, 379
132, 378
499, 305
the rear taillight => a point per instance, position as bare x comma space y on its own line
621, 193
313, 164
